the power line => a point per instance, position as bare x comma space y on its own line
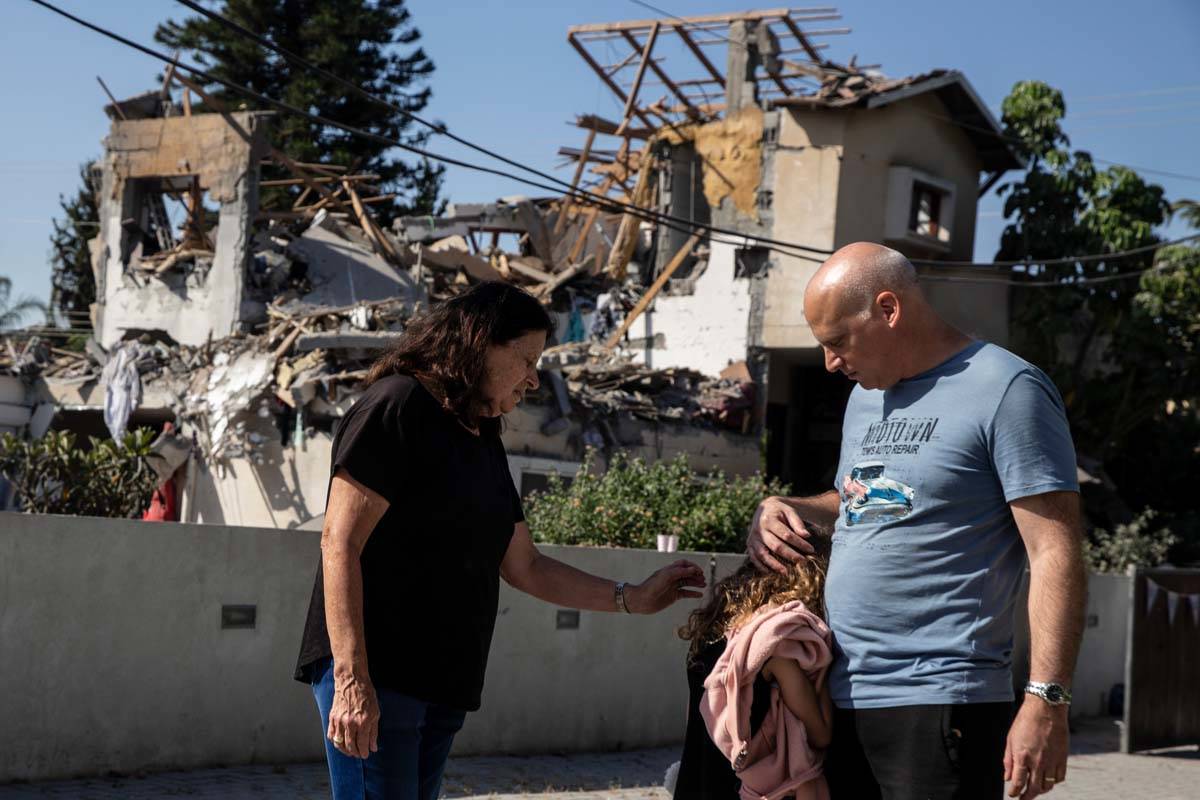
1002, 136
675, 223
1064, 283
241, 30
1083, 259
439, 129
604, 202
1015, 140
245, 32
1194, 87
1111, 112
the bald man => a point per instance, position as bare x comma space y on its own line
956, 463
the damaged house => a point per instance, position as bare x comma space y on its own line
771, 143
250, 328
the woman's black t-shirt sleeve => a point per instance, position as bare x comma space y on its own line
518, 511
371, 443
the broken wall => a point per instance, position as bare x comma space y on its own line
222, 152
705, 329
706, 448
730, 152
276, 487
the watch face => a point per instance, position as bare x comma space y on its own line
1054, 694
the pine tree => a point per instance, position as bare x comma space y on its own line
72, 282
371, 43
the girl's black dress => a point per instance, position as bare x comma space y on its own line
704, 771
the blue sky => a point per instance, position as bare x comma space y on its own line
507, 77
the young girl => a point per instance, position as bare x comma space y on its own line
759, 715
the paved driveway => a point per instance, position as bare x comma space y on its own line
1096, 771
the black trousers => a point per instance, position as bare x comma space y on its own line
950, 752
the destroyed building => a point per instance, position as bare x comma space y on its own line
251, 327
772, 142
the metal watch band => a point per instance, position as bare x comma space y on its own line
619, 592
1053, 693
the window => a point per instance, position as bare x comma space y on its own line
750, 262
920, 209
925, 210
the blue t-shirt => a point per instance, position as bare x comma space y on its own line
926, 557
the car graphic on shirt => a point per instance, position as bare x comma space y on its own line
870, 497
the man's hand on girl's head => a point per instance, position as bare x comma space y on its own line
778, 537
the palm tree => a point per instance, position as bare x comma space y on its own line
1188, 210
12, 315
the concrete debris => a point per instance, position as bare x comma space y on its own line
343, 272
606, 383
266, 305
168, 453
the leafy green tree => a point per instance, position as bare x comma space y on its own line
72, 281
13, 313
1065, 206
53, 475
371, 43
1120, 337
632, 502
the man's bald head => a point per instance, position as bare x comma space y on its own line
855, 275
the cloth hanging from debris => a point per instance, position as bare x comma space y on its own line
122, 388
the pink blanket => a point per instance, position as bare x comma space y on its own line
777, 761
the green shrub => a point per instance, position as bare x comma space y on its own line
54, 476
1141, 542
632, 502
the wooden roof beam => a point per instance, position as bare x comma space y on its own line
616, 27
802, 39
716, 29
591, 62
699, 54
631, 100
662, 75
609, 128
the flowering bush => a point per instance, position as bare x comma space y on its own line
1142, 542
632, 502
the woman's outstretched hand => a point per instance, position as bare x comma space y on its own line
673, 582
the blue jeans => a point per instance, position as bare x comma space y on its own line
414, 742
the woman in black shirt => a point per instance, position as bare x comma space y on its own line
421, 522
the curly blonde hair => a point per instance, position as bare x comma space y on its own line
736, 597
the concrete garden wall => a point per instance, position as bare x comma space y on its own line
113, 656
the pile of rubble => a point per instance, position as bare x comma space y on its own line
325, 285
604, 382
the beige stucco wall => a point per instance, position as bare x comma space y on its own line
907, 133
830, 184
805, 184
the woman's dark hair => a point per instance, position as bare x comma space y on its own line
444, 348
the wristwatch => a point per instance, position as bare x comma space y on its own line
619, 592
1053, 693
